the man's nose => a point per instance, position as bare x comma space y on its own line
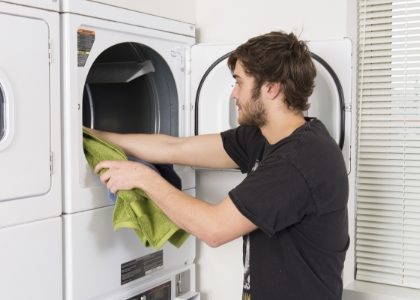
234, 94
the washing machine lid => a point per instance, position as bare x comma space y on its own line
212, 84
25, 87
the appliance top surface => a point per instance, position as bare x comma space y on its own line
145, 18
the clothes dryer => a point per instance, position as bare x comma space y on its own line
30, 153
123, 78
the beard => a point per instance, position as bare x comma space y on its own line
253, 113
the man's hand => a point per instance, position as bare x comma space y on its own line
125, 175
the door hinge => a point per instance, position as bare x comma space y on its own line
178, 57
348, 108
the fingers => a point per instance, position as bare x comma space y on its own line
106, 175
104, 178
106, 164
113, 173
121, 175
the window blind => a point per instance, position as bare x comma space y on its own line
388, 150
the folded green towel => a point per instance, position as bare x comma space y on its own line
134, 209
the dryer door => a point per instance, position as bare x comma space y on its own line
211, 87
212, 83
24, 110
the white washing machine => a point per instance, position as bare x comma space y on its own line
30, 152
125, 78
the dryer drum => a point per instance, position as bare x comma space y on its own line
130, 89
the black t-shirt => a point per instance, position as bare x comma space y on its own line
296, 193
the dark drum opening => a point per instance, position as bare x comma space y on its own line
130, 89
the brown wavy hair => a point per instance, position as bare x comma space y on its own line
278, 57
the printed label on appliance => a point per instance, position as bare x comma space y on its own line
85, 40
140, 267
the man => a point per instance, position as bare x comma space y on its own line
291, 208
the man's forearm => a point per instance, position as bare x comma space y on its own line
213, 224
153, 148
204, 151
189, 213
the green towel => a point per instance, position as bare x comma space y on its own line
134, 209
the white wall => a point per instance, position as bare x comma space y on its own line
234, 21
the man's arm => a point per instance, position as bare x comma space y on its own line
213, 224
204, 151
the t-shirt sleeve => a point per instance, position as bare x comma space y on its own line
242, 145
273, 197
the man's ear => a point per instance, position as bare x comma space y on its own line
273, 89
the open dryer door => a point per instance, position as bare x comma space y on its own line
212, 83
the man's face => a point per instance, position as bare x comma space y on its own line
251, 110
